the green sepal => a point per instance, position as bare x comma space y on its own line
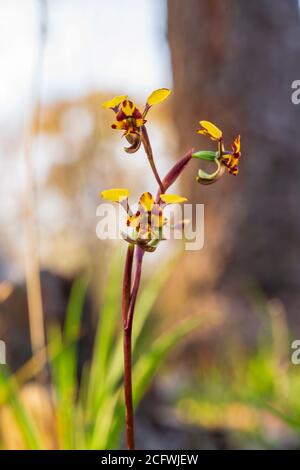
206, 155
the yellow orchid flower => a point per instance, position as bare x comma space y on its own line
225, 159
147, 223
130, 119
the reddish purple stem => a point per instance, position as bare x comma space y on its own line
127, 349
135, 288
129, 297
128, 304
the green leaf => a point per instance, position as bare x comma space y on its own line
103, 421
63, 387
145, 368
9, 393
111, 382
147, 365
104, 346
144, 305
74, 310
63, 353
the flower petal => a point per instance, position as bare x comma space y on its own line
114, 103
135, 141
236, 146
172, 198
209, 178
115, 194
139, 122
134, 220
157, 96
147, 201
210, 129
121, 125
128, 107
231, 162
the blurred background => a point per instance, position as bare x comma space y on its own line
230, 382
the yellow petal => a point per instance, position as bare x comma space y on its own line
157, 96
172, 198
128, 107
114, 102
213, 131
134, 220
147, 201
237, 144
115, 194
119, 125
231, 162
139, 122
203, 131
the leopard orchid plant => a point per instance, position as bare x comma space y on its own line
145, 227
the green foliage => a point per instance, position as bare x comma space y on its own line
90, 415
9, 395
262, 387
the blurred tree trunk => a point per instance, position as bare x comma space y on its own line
233, 64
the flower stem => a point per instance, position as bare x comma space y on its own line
135, 288
127, 283
129, 295
149, 153
128, 390
128, 304
127, 347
